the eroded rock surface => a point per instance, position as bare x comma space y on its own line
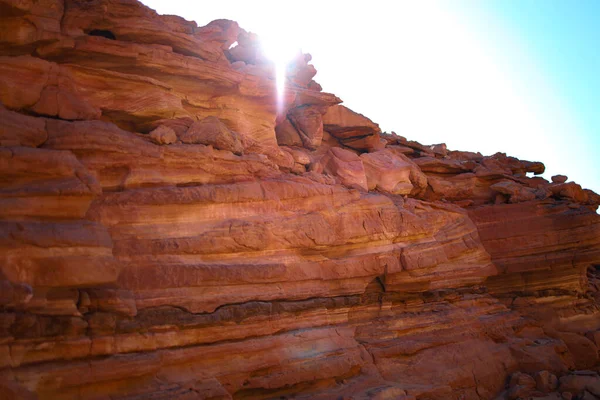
169, 230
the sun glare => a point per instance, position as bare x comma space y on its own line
432, 71
279, 50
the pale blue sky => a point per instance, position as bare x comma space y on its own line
562, 40
520, 77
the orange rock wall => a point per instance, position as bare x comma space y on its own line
169, 230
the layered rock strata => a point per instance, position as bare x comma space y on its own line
171, 228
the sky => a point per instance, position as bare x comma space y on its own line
515, 76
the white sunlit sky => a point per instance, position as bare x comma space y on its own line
516, 76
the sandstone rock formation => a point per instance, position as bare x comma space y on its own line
168, 231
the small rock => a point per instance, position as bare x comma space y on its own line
387, 172
571, 191
287, 135
163, 135
352, 129
519, 392
521, 379
439, 149
567, 395
546, 381
84, 302
211, 131
308, 122
518, 193
578, 383
345, 165
520, 386
583, 350
559, 178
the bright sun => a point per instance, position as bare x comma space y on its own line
281, 52
431, 70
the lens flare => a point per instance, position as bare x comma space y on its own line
281, 53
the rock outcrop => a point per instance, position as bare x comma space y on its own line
170, 229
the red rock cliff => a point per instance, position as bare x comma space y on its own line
168, 231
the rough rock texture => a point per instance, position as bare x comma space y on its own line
169, 230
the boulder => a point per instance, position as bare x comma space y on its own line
308, 123
520, 386
440, 150
352, 129
517, 193
345, 165
546, 381
584, 351
211, 131
577, 384
163, 135
570, 191
387, 172
559, 178
287, 134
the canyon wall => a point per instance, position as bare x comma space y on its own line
172, 229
